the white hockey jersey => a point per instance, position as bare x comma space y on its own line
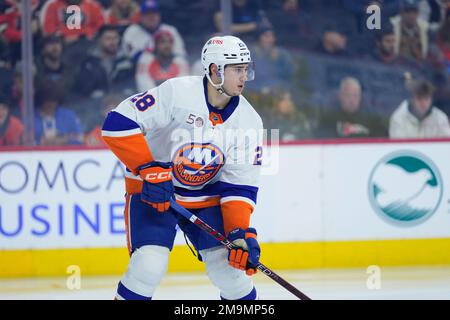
216, 153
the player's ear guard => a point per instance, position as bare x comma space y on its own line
247, 252
157, 186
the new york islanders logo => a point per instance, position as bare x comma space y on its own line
197, 163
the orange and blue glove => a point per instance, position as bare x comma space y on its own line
246, 255
157, 187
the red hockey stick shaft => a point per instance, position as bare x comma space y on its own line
219, 237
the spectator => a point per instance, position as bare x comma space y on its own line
350, 119
11, 129
247, 18
442, 63
384, 51
411, 32
16, 93
417, 117
443, 42
94, 137
106, 68
433, 11
155, 68
275, 66
287, 118
10, 29
123, 13
57, 20
140, 37
9, 22
294, 26
50, 67
55, 125
6, 70
333, 42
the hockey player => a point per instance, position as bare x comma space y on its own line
172, 140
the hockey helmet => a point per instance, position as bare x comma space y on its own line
225, 50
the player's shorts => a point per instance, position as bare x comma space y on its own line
146, 226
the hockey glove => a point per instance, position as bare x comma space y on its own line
157, 187
246, 256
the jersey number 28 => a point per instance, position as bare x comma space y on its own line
258, 156
143, 101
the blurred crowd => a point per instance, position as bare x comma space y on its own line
321, 70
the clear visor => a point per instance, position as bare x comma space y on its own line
246, 70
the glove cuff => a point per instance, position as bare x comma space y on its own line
235, 234
165, 165
250, 233
239, 233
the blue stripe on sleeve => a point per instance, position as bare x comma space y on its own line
117, 122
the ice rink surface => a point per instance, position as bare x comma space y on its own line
398, 283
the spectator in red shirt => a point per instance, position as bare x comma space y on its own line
155, 68
10, 20
123, 13
11, 129
10, 30
57, 19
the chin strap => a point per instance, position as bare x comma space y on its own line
222, 92
218, 87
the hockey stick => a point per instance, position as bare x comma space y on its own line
219, 237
